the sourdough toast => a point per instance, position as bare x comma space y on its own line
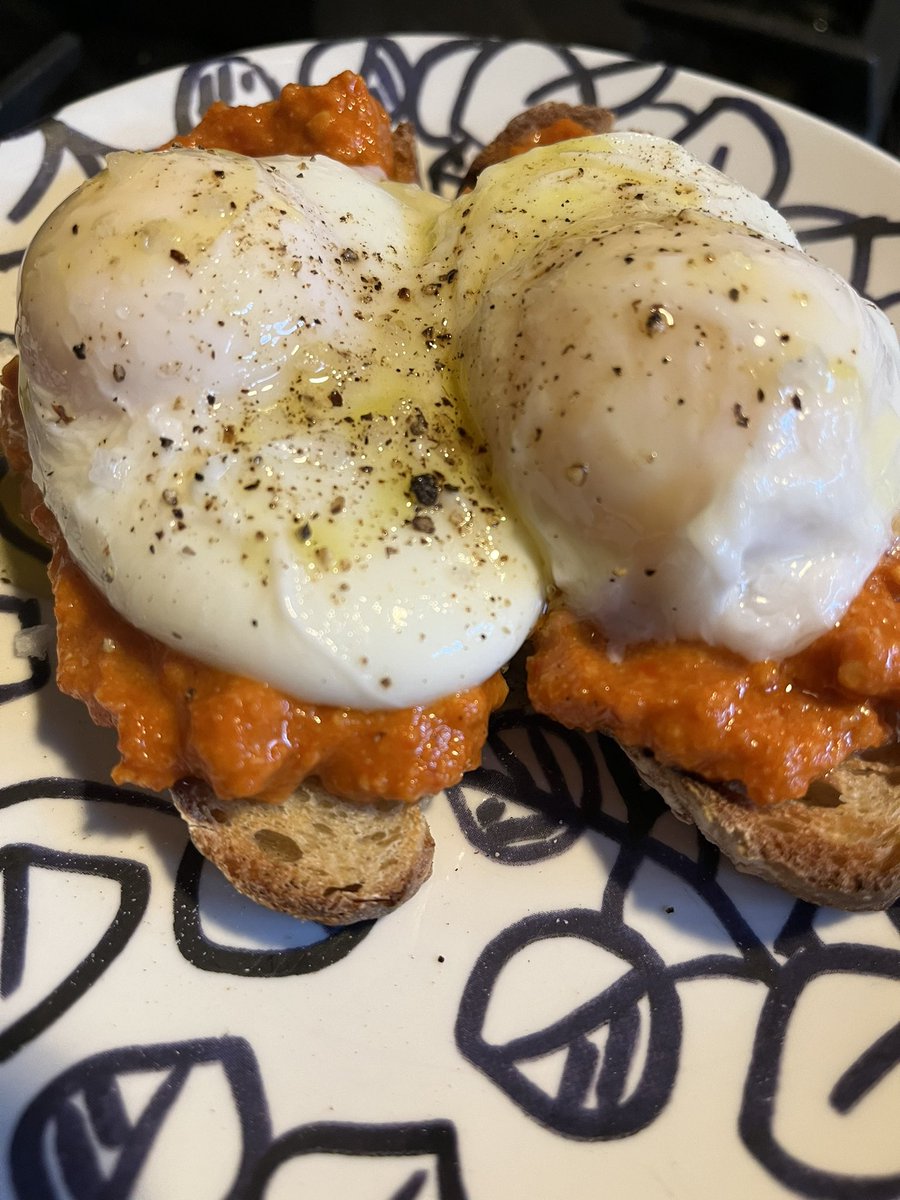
313, 856
526, 129
839, 845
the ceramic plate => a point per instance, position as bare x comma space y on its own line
584, 1000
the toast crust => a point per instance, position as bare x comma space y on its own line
838, 846
524, 127
313, 856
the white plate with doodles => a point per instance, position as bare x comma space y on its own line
584, 999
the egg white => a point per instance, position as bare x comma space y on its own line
234, 384
699, 424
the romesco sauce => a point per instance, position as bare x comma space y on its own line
340, 119
176, 717
561, 130
772, 726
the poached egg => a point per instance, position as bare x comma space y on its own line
234, 385
344, 436
698, 422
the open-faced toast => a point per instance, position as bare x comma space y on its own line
312, 856
333, 860
535, 126
839, 845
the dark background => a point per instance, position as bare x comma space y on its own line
837, 58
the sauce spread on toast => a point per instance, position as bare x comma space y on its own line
772, 726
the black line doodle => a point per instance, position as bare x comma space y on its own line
590, 1101
62, 788
435, 1139
78, 1122
821, 224
588, 79
207, 955
521, 819
232, 80
867, 1072
9, 260
192, 943
655, 97
757, 117
77, 1129
59, 140
756, 1121
16, 864
635, 836
400, 83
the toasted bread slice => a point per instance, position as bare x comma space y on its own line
524, 131
313, 856
838, 846
406, 161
